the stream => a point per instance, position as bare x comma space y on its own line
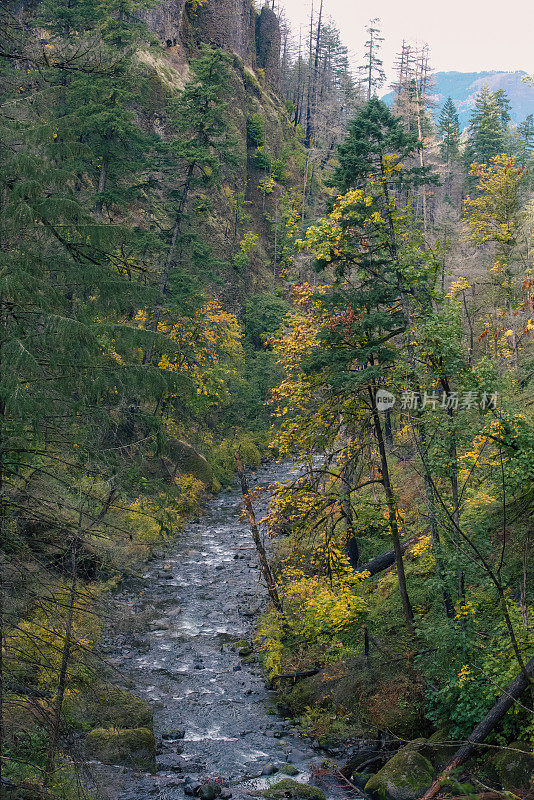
212, 713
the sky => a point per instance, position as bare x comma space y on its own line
463, 35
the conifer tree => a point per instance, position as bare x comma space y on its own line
488, 127
192, 161
372, 72
449, 128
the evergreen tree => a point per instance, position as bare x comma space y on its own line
192, 163
488, 127
372, 72
375, 138
449, 128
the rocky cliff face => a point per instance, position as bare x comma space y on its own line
233, 25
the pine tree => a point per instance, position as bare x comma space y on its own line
373, 75
374, 136
488, 127
365, 247
192, 161
449, 128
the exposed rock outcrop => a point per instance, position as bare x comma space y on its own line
268, 41
233, 25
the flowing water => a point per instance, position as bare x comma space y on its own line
212, 714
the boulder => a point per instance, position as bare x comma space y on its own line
440, 748
406, 776
359, 779
515, 767
129, 747
191, 787
210, 790
289, 769
288, 788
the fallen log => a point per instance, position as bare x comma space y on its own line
305, 673
384, 560
512, 692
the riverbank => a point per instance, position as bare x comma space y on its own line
214, 716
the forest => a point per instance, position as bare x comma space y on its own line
266, 413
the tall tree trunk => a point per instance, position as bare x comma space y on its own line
312, 84
264, 563
102, 180
431, 506
392, 513
2, 548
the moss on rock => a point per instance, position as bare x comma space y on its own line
289, 769
107, 706
515, 767
288, 788
439, 748
129, 747
406, 776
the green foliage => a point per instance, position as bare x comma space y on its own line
261, 158
223, 456
247, 245
488, 127
373, 134
263, 316
449, 128
255, 130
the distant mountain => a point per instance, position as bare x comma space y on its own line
463, 87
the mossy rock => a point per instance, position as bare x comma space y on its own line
107, 706
129, 747
439, 748
515, 767
289, 769
406, 776
288, 788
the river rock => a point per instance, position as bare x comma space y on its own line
359, 779
406, 776
174, 733
289, 769
292, 789
439, 749
359, 757
191, 787
269, 769
210, 790
172, 763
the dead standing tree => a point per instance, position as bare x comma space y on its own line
264, 563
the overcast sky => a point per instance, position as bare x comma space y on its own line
463, 35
